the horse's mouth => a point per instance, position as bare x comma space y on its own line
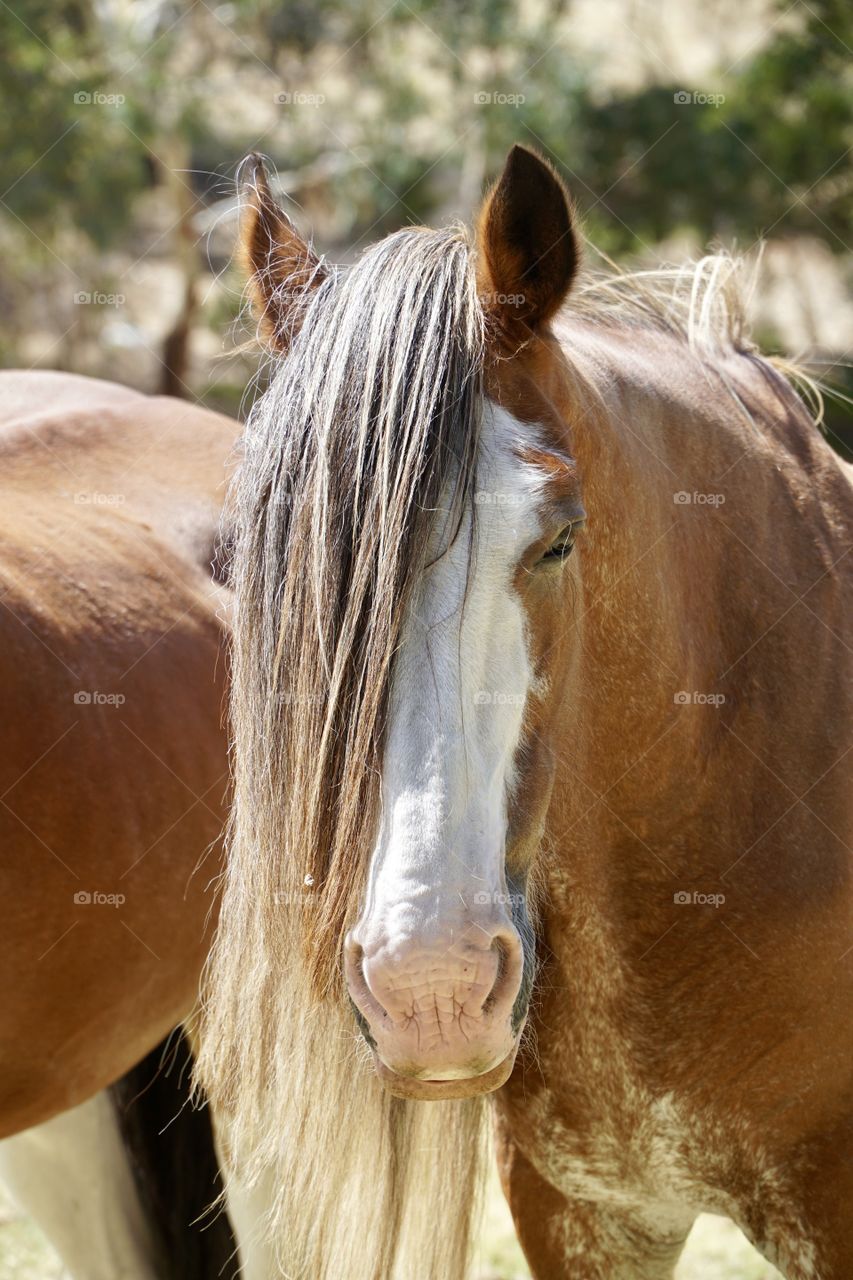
404, 1086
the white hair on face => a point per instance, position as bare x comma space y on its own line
372, 417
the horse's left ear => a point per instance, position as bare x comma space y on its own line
282, 267
527, 248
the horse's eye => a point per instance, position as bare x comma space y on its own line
562, 547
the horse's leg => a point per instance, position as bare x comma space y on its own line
122, 1185
804, 1224
73, 1177
247, 1210
571, 1239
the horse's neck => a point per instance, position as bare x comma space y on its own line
652, 560
680, 575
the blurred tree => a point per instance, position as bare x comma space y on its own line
772, 157
418, 105
65, 159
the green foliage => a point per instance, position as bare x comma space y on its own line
771, 158
64, 160
422, 101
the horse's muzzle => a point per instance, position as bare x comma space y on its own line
442, 1018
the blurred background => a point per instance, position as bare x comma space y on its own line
676, 123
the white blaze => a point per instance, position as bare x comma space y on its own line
461, 680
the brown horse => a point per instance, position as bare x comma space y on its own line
473, 737
500, 772
114, 777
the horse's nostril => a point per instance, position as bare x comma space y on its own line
510, 957
356, 980
467, 991
500, 950
353, 951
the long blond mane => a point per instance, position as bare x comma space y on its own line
371, 418
372, 415
705, 304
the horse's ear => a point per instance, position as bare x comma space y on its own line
281, 267
527, 248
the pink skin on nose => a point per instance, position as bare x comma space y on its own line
439, 1011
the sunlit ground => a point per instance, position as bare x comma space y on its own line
716, 1250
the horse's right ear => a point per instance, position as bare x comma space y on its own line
281, 267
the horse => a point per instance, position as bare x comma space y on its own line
523, 816
112, 801
538, 700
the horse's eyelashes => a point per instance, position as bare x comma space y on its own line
562, 547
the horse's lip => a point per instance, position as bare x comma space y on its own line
439, 1090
